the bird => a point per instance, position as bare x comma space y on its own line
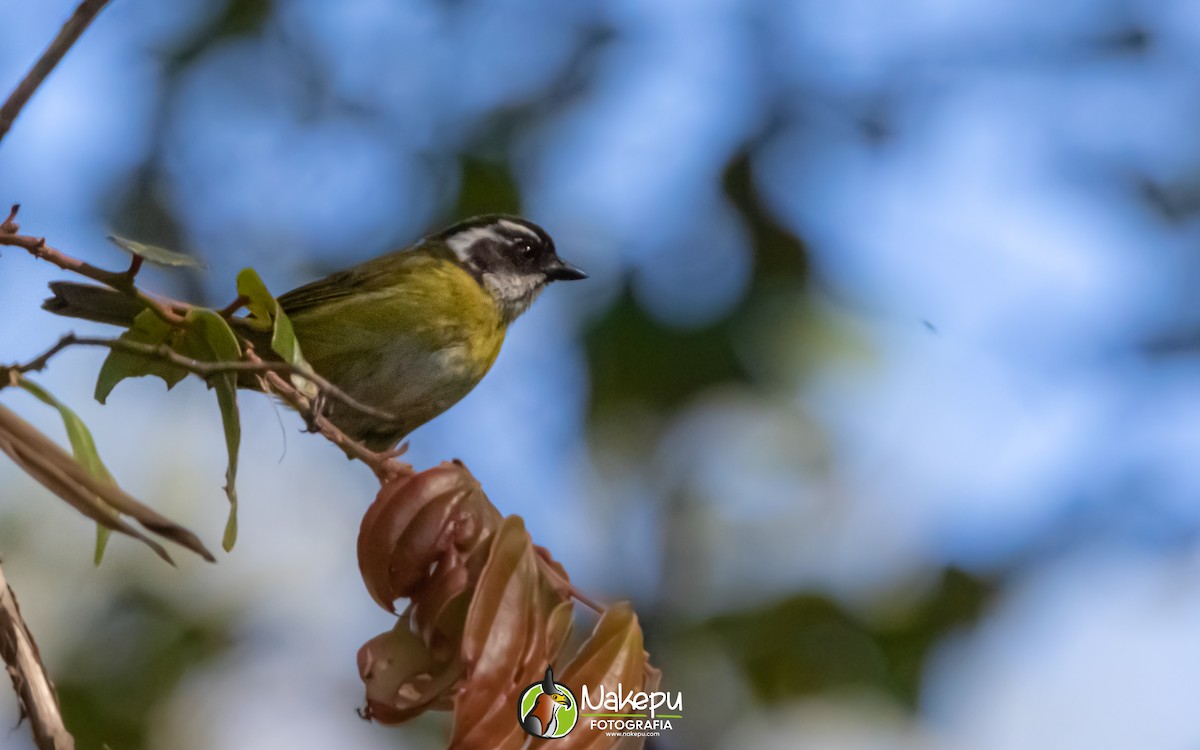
409, 333
542, 718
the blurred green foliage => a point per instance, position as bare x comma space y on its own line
236, 18
128, 663
486, 187
634, 358
806, 644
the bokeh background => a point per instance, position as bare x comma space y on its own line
882, 403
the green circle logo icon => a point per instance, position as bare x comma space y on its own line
547, 709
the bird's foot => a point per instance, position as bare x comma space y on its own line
316, 410
387, 468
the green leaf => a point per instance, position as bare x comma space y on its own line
283, 340
155, 254
259, 301
83, 446
227, 399
147, 329
208, 337
266, 313
102, 535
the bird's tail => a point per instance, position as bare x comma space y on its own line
92, 302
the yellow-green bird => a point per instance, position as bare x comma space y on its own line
409, 333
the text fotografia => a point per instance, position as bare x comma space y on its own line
627, 711
630, 727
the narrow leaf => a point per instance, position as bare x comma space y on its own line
155, 254
283, 340
266, 313
208, 337
83, 446
82, 443
227, 399
102, 535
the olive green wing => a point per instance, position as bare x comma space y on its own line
421, 300
375, 275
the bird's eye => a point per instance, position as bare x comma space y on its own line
525, 249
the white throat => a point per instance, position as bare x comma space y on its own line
513, 292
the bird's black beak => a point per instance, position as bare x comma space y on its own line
560, 270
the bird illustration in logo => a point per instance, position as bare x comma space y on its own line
542, 719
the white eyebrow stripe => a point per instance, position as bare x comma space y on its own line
519, 228
462, 242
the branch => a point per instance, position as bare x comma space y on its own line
198, 367
71, 30
122, 281
28, 674
381, 463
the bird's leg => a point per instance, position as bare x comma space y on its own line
314, 412
396, 452
387, 467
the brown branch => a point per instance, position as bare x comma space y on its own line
122, 281
547, 565
198, 367
34, 690
383, 464
71, 30
228, 311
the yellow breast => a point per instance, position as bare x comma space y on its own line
412, 342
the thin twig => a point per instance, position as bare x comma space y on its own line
71, 30
228, 311
28, 674
135, 265
198, 367
551, 568
383, 464
272, 371
122, 281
